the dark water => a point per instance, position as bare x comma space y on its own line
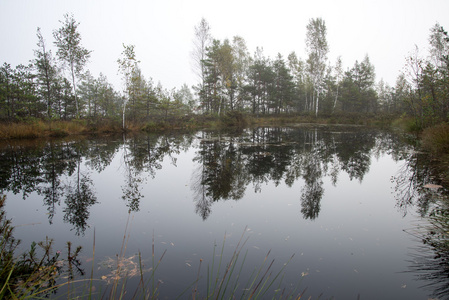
348, 202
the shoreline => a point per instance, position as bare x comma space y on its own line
37, 128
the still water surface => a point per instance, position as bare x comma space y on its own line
346, 201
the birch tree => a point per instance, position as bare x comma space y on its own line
439, 45
338, 78
46, 71
317, 50
242, 62
127, 65
70, 51
201, 42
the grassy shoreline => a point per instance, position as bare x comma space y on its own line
41, 128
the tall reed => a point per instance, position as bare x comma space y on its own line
225, 282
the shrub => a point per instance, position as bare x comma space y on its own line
406, 123
436, 139
234, 118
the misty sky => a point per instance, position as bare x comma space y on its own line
163, 30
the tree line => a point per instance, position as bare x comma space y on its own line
230, 79
58, 87
233, 79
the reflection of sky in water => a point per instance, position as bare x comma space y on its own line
356, 245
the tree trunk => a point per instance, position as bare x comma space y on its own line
123, 114
74, 90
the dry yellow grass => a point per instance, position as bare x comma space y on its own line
40, 129
14, 130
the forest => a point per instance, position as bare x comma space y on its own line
230, 81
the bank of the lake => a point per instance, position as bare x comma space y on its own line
434, 139
36, 128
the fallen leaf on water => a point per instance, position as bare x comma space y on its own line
119, 267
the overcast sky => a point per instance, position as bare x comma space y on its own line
163, 30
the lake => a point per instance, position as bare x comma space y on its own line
349, 203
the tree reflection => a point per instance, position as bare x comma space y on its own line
100, 152
203, 202
20, 172
312, 191
131, 190
409, 189
59, 170
225, 165
430, 261
80, 196
416, 188
218, 175
311, 199
40, 166
354, 153
142, 156
52, 167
